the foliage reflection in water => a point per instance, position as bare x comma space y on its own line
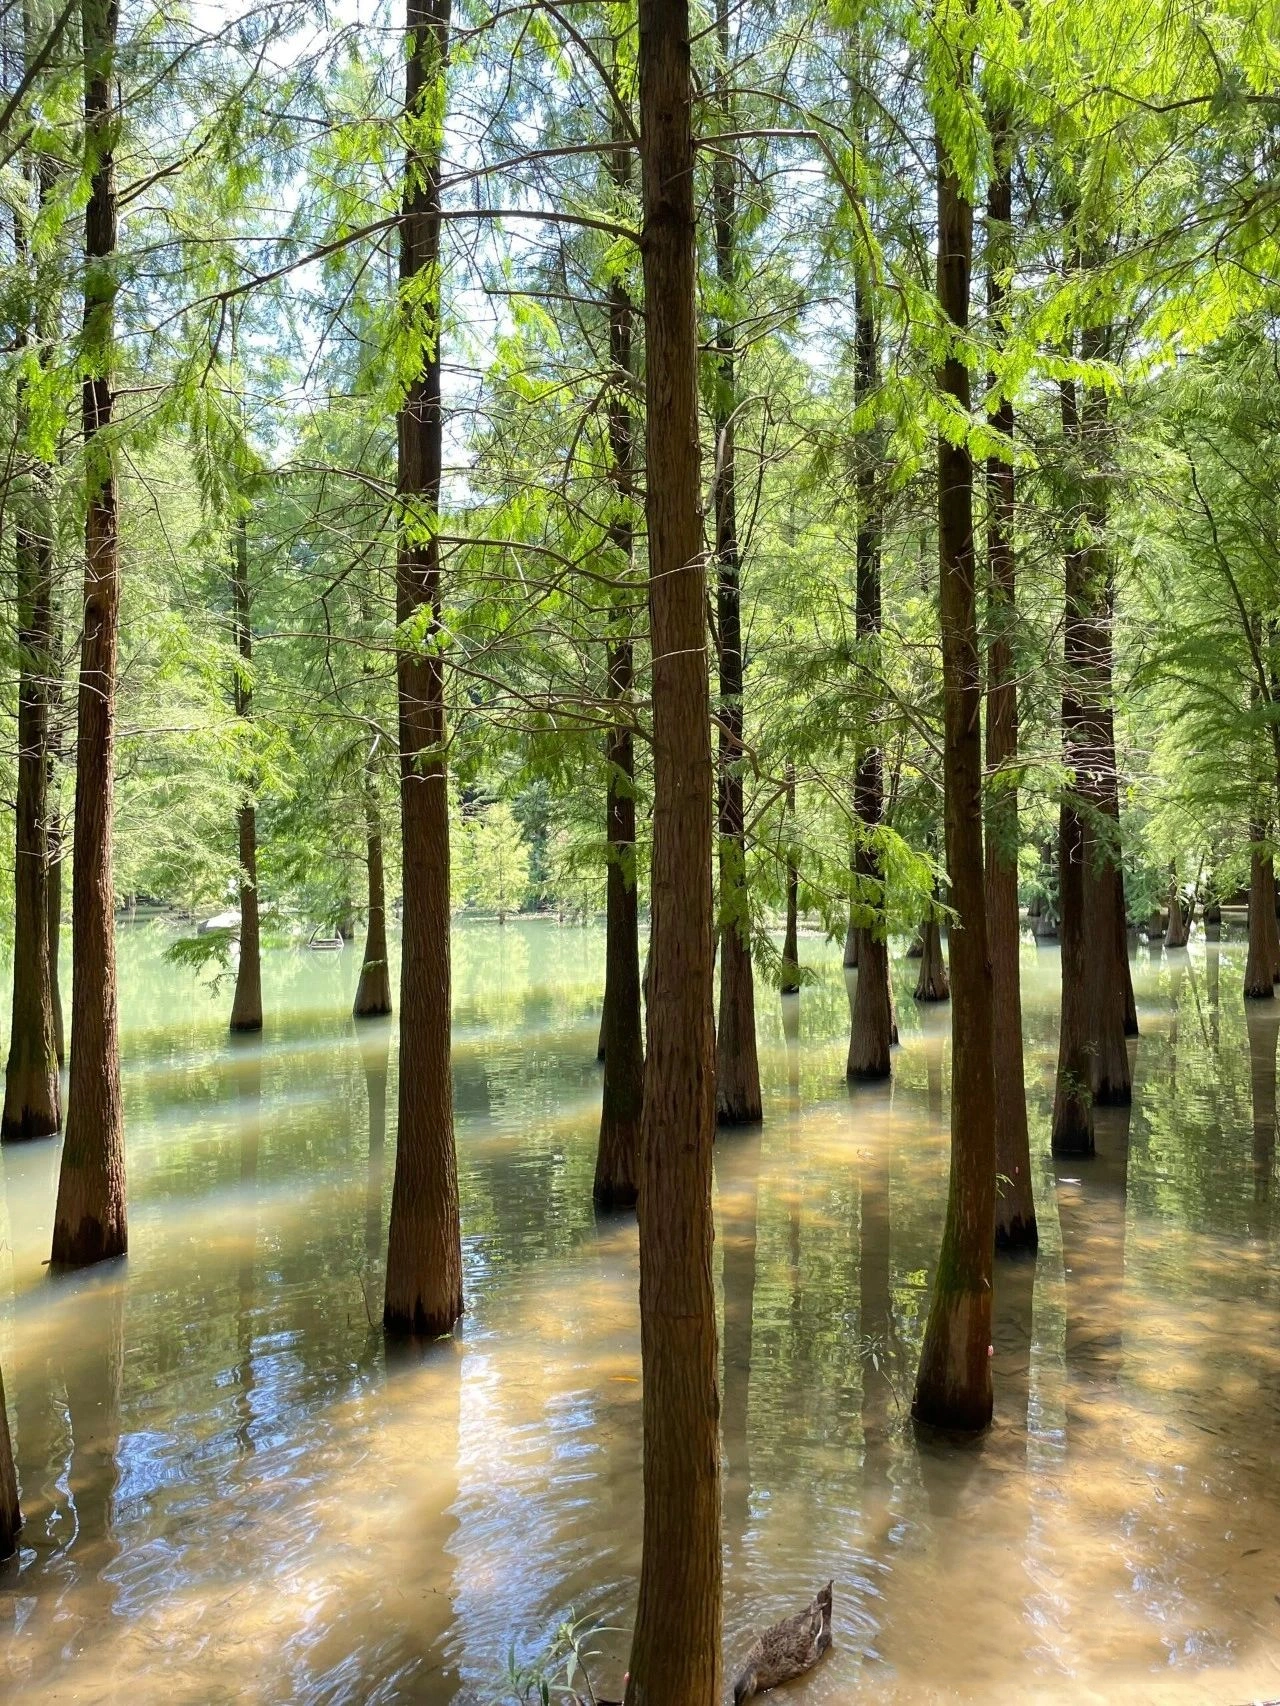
233, 1494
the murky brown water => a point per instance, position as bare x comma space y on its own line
232, 1494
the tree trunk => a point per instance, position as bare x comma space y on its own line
851, 935
1015, 1202
790, 982
1259, 971
1179, 930
53, 819
1072, 1125
737, 1066
1124, 969
373, 992
932, 983
676, 1647
953, 1384
90, 1222
424, 1246
617, 1177
871, 1023
246, 1006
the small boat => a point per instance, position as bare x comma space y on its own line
325, 944
786, 1650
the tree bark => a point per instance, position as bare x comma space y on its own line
90, 1222
373, 992
53, 832
790, 981
871, 1022
1015, 1202
1178, 931
1072, 1125
738, 1099
32, 1092
1260, 966
953, 1384
246, 1005
424, 1247
676, 1647
617, 1176
932, 984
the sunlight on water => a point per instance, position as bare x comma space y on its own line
232, 1493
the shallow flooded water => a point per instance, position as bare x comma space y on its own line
232, 1493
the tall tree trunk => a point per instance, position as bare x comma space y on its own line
1259, 970
1178, 930
1072, 1126
617, 1177
676, 1647
790, 981
953, 1385
1015, 1202
373, 991
737, 1065
90, 1222
871, 1022
53, 819
32, 1092
246, 1006
424, 1248
1112, 1079
932, 984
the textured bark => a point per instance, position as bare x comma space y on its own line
851, 938
10, 1510
373, 992
1124, 970
953, 1384
790, 982
1015, 1203
32, 1092
424, 1244
738, 1099
676, 1646
933, 983
617, 1177
871, 1022
1260, 965
246, 1005
90, 1222
1072, 1124
53, 832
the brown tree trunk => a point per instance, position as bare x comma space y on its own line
53, 832
953, 1384
738, 1099
1015, 1202
10, 1510
1179, 929
871, 1022
246, 1005
790, 982
90, 1222
852, 936
1260, 966
676, 1647
617, 1177
373, 992
932, 984
1072, 1125
1123, 968
424, 1246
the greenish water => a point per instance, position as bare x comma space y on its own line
232, 1494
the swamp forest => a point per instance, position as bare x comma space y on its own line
640, 710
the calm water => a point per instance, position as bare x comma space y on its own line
232, 1494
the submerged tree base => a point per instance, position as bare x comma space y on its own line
90, 1242
421, 1322
1017, 1235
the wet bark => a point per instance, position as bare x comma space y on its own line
424, 1244
10, 1510
676, 1647
737, 1066
790, 981
373, 992
246, 1006
871, 1023
1072, 1123
953, 1384
617, 1176
1260, 965
90, 1222
1015, 1204
32, 1092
